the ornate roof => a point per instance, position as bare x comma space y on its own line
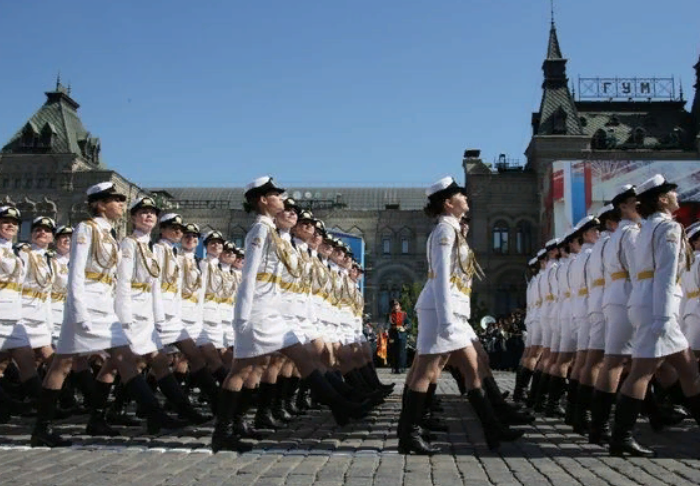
353, 198
56, 128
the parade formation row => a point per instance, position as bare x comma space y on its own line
288, 308
614, 319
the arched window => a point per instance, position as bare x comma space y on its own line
638, 136
387, 242
500, 237
29, 136
523, 238
559, 122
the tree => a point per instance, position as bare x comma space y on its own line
407, 299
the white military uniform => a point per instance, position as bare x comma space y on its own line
567, 343
321, 286
595, 281
59, 292
559, 290
89, 322
345, 305
190, 296
229, 286
258, 315
303, 308
168, 306
11, 277
443, 307
548, 311
213, 280
37, 319
579, 296
690, 303
618, 262
534, 331
655, 300
137, 290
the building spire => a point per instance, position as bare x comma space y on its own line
551, 3
58, 80
553, 49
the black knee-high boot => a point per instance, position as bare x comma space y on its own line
208, 386
225, 436
9, 406
240, 424
494, 430
84, 382
522, 381
289, 402
542, 391
583, 406
532, 395
43, 434
370, 374
177, 398
506, 412
220, 374
353, 391
97, 425
264, 419
557, 385
303, 401
622, 441
157, 419
278, 410
116, 413
601, 406
342, 409
571, 400
428, 420
658, 418
409, 431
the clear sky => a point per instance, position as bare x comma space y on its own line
376, 92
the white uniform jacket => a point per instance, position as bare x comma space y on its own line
137, 277
11, 277
660, 254
94, 258
690, 284
579, 287
212, 282
191, 293
168, 306
595, 274
617, 260
59, 290
446, 291
36, 287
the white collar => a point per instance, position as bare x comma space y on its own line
449, 219
225, 266
212, 259
189, 254
285, 235
263, 218
36, 249
586, 246
300, 243
103, 222
141, 236
5, 243
660, 215
167, 242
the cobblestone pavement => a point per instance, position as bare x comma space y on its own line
314, 452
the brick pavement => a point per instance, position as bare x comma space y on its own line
315, 452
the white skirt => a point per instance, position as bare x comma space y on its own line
12, 336
266, 332
534, 333
212, 333
646, 343
105, 332
691, 329
172, 331
229, 334
596, 340
583, 333
143, 337
618, 330
431, 342
555, 337
567, 343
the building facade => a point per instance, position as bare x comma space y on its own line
580, 150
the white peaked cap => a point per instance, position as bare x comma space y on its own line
541, 253
98, 188
657, 181
168, 217
693, 231
551, 243
605, 209
259, 182
440, 185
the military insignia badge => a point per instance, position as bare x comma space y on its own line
126, 254
257, 241
81, 240
672, 238
444, 241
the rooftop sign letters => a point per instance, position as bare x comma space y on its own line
627, 88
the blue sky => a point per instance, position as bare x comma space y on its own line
375, 92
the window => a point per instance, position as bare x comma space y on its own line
238, 241
559, 122
386, 246
52, 183
18, 183
638, 136
25, 230
500, 237
404, 246
523, 238
600, 140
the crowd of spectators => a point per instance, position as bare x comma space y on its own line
504, 340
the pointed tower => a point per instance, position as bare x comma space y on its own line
56, 128
695, 110
558, 114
